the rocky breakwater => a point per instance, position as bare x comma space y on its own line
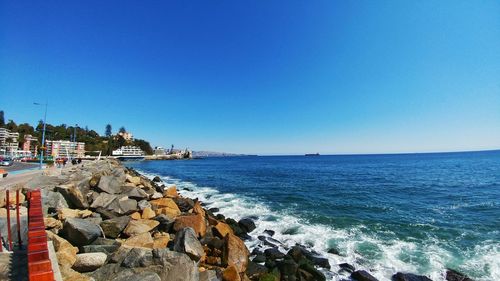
108, 222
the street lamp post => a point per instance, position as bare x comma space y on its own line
43, 133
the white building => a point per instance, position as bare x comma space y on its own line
8, 142
128, 150
127, 136
65, 149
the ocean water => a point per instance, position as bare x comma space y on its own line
418, 213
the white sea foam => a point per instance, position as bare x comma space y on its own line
429, 258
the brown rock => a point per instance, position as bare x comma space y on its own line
135, 216
171, 192
161, 241
235, 252
222, 229
134, 180
213, 261
164, 203
65, 252
143, 240
51, 223
231, 274
12, 198
196, 222
69, 274
148, 213
197, 209
65, 213
136, 227
171, 213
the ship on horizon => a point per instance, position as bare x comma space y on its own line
312, 154
128, 153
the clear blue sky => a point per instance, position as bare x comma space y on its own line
267, 77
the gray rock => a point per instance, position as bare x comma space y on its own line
43, 181
176, 266
110, 184
247, 224
73, 195
138, 257
142, 276
126, 206
103, 200
143, 204
107, 249
156, 195
106, 241
89, 261
166, 223
362, 275
110, 272
210, 275
52, 201
136, 193
113, 227
187, 242
80, 232
120, 255
453, 275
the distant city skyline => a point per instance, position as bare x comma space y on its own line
333, 77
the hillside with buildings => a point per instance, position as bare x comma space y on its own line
62, 141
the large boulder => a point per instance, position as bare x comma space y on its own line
222, 229
362, 275
235, 252
73, 195
65, 213
136, 193
143, 240
453, 275
65, 252
176, 266
80, 232
409, 277
103, 200
110, 184
196, 222
89, 261
52, 201
138, 257
186, 242
165, 206
143, 204
247, 224
136, 227
113, 227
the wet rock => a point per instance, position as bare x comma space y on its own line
255, 270
288, 269
157, 179
259, 258
113, 227
237, 230
247, 224
214, 210
110, 184
138, 257
316, 274
453, 275
333, 251
89, 261
362, 275
347, 267
80, 232
274, 254
236, 252
74, 197
136, 227
187, 242
409, 277
269, 232
268, 241
196, 222
177, 266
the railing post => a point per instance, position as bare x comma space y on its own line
7, 207
19, 241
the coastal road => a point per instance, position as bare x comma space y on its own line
19, 173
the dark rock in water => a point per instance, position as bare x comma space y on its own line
316, 274
184, 204
166, 223
80, 232
409, 277
298, 251
270, 264
113, 227
453, 275
247, 224
269, 232
245, 236
362, 275
255, 270
259, 258
257, 251
220, 217
156, 179
238, 231
187, 242
187, 189
214, 210
334, 251
273, 254
138, 257
268, 241
347, 267
288, 269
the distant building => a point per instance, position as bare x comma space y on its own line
30, 144
8, 142
127, 136
65, 148
159, 151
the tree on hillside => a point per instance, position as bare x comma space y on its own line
108, 132
144, 145
11, 126
2, 119
122, 130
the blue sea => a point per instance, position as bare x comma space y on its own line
418, 213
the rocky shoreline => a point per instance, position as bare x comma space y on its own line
108, 222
